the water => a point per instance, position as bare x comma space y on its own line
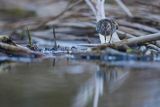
72, 83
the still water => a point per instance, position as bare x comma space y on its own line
72, 83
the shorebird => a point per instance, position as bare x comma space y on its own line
106, 27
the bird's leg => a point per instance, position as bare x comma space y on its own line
105, 38
110, 39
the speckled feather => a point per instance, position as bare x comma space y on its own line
106, 26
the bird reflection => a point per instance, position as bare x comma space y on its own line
5, 67
106, 77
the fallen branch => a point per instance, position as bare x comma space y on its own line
124, 34
91, 5
138, 26
124, 7
70, 6
38, 23
152, 4
128, 42
154, 47
18, 50
142, 39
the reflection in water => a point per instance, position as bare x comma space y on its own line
6, 67
112, 78
70, 83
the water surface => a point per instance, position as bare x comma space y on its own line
71, 83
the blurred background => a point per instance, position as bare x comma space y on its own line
74, 19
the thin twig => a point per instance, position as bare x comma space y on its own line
55, 39
138, 26
29, 37
70, 6
124, 7
91, 5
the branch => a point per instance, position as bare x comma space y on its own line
130, 42
91, 5
100, 9
18, 50
124, 7
138, 26
141, 39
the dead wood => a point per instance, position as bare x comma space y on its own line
18, 50
128, 42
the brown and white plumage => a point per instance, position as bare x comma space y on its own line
106, 27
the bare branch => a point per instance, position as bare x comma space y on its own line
100, 10
142, 39
18, 50
91, 5
130, 42
124, 7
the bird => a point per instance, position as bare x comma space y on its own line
106, 27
